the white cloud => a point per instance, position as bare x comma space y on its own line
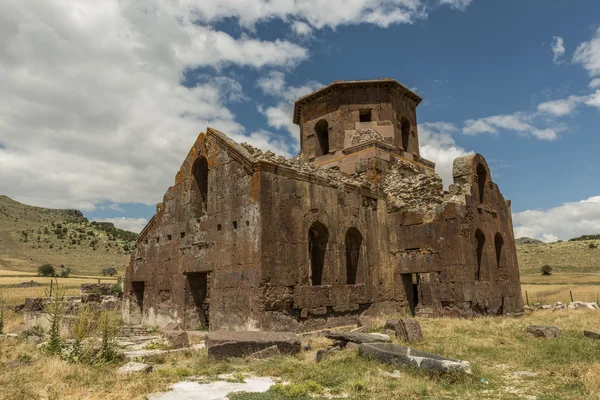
588, 55
593, 100
316, 13
561, 108
279, 116
595, 83
458, 4
517, 122
437, 145
563, 222
558, 49
129, 224
93, 109
301, 28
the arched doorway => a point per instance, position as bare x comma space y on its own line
353, 243
318, 236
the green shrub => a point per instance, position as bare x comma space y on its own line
592, 246
546, 270
46, 270
111, 271
65, 272
55, 311
116, 289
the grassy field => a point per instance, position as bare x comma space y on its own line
567, 367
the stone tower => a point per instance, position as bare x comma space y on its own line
349, 122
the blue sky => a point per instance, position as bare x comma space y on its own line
101, 121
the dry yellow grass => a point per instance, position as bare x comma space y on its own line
567, 367
548, 294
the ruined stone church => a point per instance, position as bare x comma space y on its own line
357, 224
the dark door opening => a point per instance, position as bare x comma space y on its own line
196, 307
411, 287
136, 305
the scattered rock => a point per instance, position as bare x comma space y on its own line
29, 284
18, 308
307, 347
91, 298
351, 345
364, 321
266, 353
358, 337
546, 307
176, 339
406, 329
133, 368
548, 332
360, 329
592, 334
35, 340
394, 375
321, 355
223, 344
173, 326
395, 354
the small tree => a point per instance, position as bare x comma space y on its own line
65, 272
546, 270
592, 246
109, 271
46, 270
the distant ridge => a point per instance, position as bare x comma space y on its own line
31, 236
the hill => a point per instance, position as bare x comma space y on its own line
564, 257
31, 236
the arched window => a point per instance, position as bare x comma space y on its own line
353, 244
480, 238
318, 236
498, 242
481, 178
322, 133
200, 185
405, 132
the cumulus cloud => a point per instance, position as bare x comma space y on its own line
301, 28
563, 222
558, 49
93, 108
458, 4
563, 107
279, 115
129, 224
518, 122
595, 83
588, 54
437, 145
316, 13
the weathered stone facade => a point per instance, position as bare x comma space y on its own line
357, 224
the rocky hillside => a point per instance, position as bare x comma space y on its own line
32, 236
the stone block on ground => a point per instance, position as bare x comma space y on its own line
266, 353
358, 337
406, 329
395, 354
592, 334
134, 368
548, 332
173, 326
224, 344
176, 339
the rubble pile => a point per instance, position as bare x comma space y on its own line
366, 135
409, 190
300, 164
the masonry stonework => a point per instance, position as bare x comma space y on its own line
357, 224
